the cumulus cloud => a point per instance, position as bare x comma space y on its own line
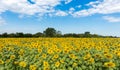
47, 7
24, 7
61, 13
98, 7
93, 3
79, 6
2, 21
112, 19
67, 1
71, 11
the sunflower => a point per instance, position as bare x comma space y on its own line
45, 64
44, 55
46, 68
33, 67
12, 57
22, 64
56, 56
39, 50
109, 56
1, 62
74, 64
21, 52
109, 64
57, 64
72, 56
86, 57
91, 60
15, 62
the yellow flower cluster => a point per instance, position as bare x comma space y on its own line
22, 64
60, 53
109, 64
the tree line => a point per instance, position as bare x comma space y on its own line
51, 32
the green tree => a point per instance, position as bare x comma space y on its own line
11, 35
39, 34
5, 34
58, 33
19, 34
50, 32
87, 34
28, 35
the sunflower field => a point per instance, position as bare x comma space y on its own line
59, 54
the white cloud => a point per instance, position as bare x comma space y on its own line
47, 7
93, 3
40, 7
104, 7
112, 19
79, 6
72, 9
61, 13
25, 8
67, 1
2, 21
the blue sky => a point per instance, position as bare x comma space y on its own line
69, 16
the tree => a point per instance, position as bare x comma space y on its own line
87, 34
20, 34
5, 35
71, 35
39, 34
58, 33
11, 35
50, 32
27, 35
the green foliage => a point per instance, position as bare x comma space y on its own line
51, 32
39, 34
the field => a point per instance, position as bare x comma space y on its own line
59, 54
